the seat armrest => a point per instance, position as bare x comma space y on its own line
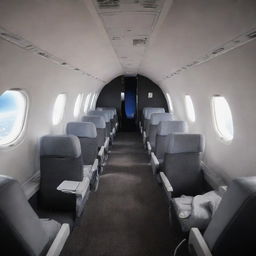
59, 241
196, 243
95, 165
167, 185
149, 147
140, 126
106, 144
144, 137
101, 156
80, 189
154, 163
166, 182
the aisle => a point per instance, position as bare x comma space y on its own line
128, 215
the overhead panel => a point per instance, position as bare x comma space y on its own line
129, 24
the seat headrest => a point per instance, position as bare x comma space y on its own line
108, 108
99, 121
157, 117
111, 113
150, 111
60, 146
100, 113
82, 129
168, 127
144, 110
185, 143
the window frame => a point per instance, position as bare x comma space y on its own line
190, 109
87, 102
215, 122
92, 101
17, 139
62, 111
170, 103
78, 105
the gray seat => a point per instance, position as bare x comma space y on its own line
87, 134
115, 116
111, 114
182, 164
106, 117
147, 115
60, 159
232, 228
22, 232
100, 126
163, 131
146, 120
155, 119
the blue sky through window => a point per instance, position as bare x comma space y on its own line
12, 113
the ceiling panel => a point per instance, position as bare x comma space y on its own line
129, 24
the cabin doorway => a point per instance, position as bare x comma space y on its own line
129, 105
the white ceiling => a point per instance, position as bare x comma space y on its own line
129, 38
129, 25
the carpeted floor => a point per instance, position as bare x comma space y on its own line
128, 215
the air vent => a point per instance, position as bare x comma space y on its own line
152, 4
10, 36
252, 34
43, 54
108, 4
218, 50
139, 42
115, 38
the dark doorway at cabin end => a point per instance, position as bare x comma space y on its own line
147, 93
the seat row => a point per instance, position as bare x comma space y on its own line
199, 201
70, 168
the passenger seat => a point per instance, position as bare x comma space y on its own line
147, 115
155, 119
232, 228
22, 232
61, 160
87, 134
182, 172
164, 129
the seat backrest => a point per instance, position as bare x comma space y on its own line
22, 232
112, 109
147, 115
87, 134
105, 115
100, 124
182, 163
111, 114
153, 123
60, 159
232, 228
164, 129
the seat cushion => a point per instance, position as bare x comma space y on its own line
51, 228
87, 170
196, 211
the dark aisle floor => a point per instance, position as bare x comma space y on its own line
128, 214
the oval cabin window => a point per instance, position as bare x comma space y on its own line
222, 118
58, 108
190, 108
13, 110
